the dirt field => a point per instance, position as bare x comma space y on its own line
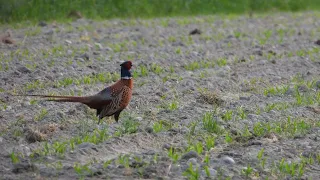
238, 98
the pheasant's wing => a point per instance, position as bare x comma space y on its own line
101, 99
113, 106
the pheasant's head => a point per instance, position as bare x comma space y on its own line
125, 70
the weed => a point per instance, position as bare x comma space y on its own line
210, 142
247, 171
173, 155
227, 115
157, 127
14, 158
128, 126
191, 173
41, 115
210, 124
123, 160
221, 62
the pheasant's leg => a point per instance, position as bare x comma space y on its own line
116, 115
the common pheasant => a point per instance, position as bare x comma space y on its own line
110, 101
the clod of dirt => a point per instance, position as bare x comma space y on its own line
7, 38
75, 14
85, 56
317, 42
189, 155
42, 24
24, 166
272, 52
48, 128
34, 135
24, 70
195, 31
211, 98
271, 138
314, 109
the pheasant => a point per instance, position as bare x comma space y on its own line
110, 101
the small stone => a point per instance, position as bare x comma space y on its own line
246, 98
241, 60
139, 118
60, 114
149, 129
303, 88
195, 31
228, 160
68, 41
95, 53
184, 130
98, 46
49, 32
253, 116
166, 146
290, 91
258, 52
24, 166
189, 155
42, 24
8, 108
85, 56
24, 69
262, 62
193, 161
212, 173
86, 145
69, 52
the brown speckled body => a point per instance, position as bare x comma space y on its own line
121, 92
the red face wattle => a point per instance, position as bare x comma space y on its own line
128, 65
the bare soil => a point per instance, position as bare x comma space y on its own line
230, 65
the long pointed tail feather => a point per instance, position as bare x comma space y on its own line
59, 98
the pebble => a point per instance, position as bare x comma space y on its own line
245, 98
149, 129
24, 69
85, 56
68, 41
193, 161
86, 145
212, 175
228, 160
189, 155
138, 118
253, 116
99, 46
166, 146
42, 24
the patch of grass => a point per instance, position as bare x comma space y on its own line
14, 158
192, 173
173, 154
128, 126
12, 11
221, 62
210, 124
41, 115
287, 128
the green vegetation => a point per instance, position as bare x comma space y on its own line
36, 10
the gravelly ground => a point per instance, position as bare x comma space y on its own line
257, 78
